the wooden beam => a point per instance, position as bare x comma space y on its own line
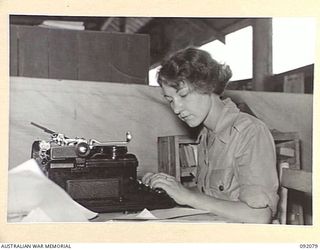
123, 24
201, 25
237, 26
107, 23
134, 24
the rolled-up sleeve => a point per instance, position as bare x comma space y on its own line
256, 163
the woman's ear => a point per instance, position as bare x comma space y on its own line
184, 84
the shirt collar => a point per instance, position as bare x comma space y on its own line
225, 123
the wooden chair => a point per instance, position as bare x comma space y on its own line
295, 184
293, 180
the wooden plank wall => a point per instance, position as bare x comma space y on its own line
79, 55
13, 51
99, 56
33, 52
63, 54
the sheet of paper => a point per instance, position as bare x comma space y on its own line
36, 215
145, 214
162, 214
34, 197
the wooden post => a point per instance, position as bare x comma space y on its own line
262, 52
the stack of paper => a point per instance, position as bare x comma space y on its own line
70, 25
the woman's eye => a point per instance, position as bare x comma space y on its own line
169, 100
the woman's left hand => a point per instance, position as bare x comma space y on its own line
173, 188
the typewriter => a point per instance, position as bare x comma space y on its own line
101, 176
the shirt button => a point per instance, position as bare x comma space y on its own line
221, 188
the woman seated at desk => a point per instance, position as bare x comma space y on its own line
236, 174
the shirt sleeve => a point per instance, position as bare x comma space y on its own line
257, 172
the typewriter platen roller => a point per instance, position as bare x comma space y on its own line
100, 176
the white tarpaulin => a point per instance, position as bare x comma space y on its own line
106, 111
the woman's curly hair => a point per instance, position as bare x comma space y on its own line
196, 67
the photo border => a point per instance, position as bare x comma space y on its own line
151, 232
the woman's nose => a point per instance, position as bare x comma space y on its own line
176, 107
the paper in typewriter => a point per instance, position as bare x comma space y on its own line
32, 197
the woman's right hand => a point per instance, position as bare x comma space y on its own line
168, 184
147, 178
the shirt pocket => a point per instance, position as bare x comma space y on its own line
220, 182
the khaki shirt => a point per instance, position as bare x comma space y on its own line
237, 161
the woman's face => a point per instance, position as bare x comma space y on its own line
190, 106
